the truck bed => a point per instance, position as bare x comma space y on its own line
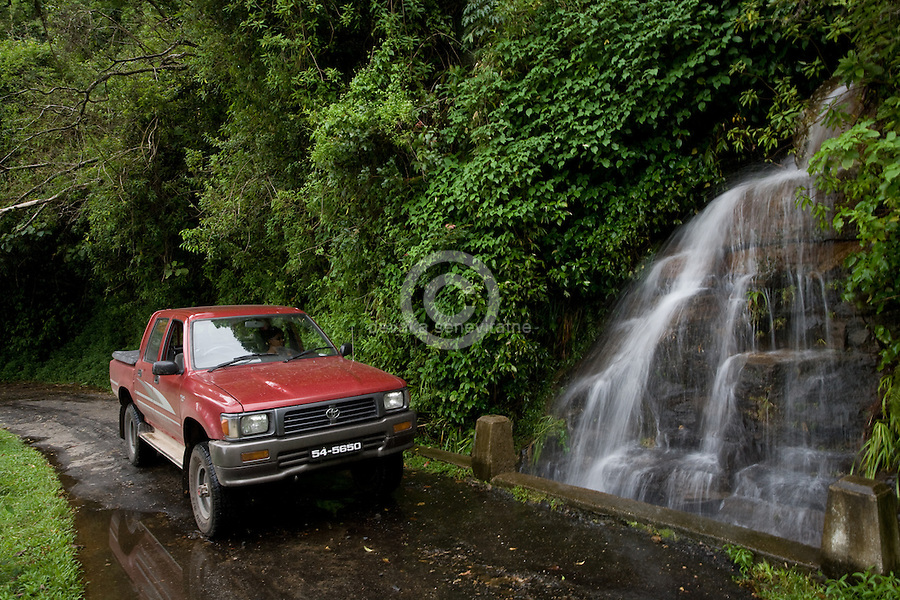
129, 357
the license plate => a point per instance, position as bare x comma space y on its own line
335, 450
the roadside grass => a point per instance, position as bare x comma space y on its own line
38, 558
419, 462
532, 497
771, 582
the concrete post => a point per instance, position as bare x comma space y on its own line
861, 530
493, 452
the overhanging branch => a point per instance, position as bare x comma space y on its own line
41, 201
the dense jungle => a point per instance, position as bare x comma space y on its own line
311, 152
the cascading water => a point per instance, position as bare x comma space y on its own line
732, 382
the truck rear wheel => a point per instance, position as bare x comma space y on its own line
137, 450
209, 499
379, 477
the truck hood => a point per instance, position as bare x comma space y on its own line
271, 385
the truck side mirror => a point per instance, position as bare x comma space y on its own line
346, 349
166, 367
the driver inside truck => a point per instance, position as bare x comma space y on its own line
274, 338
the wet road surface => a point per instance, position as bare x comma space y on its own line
438, 538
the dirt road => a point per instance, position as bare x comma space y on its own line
439, 538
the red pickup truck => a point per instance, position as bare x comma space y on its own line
241, 395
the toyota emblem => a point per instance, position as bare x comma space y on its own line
333, 412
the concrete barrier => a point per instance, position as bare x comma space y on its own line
861, 530
493, 452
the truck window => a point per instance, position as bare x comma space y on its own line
151, 354
175, 345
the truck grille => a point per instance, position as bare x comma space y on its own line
322, 415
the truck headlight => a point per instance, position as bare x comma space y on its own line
396, 400
236, 426
254, 424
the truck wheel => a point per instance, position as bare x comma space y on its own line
137, 450
209, 499
379, 477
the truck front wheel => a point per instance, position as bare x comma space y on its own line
209, 499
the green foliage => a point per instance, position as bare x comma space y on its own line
273, 65
37, 528
419, 462
529, 496
881, 450
42, 273
820, 30
549, 429
789, 583
782, 583
21, 20
863, 166
91, 170
863, 586
741, 557
448, 435
661, 534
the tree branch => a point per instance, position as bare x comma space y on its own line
55, 196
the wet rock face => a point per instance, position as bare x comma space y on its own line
784, 395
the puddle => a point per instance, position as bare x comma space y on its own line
133, 555
122, 558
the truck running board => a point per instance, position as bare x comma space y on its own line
165, 446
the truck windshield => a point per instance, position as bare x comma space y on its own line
265, 338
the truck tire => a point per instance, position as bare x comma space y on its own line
209, 499
379, 477
138, 451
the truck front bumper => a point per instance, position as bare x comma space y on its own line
278, 458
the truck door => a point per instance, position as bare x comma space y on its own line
159, 396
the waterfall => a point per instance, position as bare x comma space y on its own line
732, 381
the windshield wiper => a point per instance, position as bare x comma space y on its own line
307, 352
237, 360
